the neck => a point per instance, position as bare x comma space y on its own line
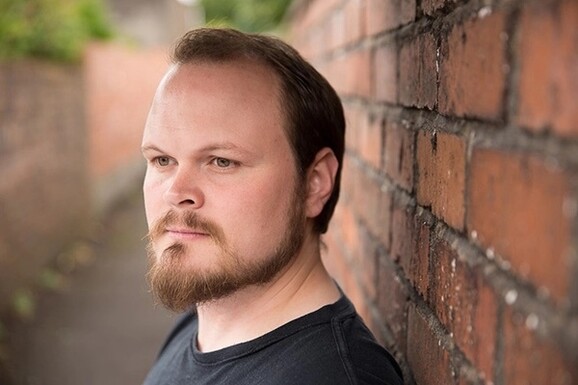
301, 288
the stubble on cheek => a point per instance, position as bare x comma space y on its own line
178, 285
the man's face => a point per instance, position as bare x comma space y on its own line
222, 197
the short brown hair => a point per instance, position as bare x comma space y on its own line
311, 106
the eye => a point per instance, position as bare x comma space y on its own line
162, 161
222, 162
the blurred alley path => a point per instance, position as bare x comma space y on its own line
102, 326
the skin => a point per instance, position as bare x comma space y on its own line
215, 144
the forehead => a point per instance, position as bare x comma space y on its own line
206, 99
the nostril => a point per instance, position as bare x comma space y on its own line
188, 202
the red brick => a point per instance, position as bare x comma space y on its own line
516, 206
399, 155
392, 301
354, 117
408, 11
383, 15
466, 305
427, 358
344, 237
371, 139
333, 72
441, 175
385, 68
367, 200
44, 189
531, 359
335, 31
312, 13
349, 229
357, 73
402, 235
365, 264
354, 20
418, 270
417, 72
347, 190
384, 219
112, 84
548, 87
332, 255
473, 68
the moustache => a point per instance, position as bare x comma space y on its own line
188, 220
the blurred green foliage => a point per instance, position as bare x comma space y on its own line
55, 29
246, 15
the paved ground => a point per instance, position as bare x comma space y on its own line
102, 327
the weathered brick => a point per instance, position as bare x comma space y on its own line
307, 15
466, 305
112, 84
349, 228
371, 138
402, 234
548, 87
399, 154
385, 68
530, 359
383, 15
426, 355
473, 68
44, 186
516, 207
392, 300
418, 270
347, 190
365, 263
357, 73
429, 7
335, 31
332, 255
367, 200
355, 118
441, 175
384, 219
354, 11
343, 238
417, 72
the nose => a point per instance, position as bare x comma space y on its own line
184, 191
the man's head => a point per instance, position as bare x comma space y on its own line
312, 110
239, 170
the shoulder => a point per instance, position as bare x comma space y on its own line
363, 358
338, 350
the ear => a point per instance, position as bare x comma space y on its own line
320, 181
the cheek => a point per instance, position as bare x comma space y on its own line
152, 196
260, 210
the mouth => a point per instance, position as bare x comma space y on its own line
186, 233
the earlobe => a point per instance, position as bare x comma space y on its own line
320, 181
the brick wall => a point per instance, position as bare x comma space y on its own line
43, 183
70, 148
120, 85
456, 233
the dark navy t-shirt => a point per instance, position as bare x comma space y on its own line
329, 346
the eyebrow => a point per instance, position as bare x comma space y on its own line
207, 148
150, 147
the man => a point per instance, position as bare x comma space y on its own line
244, 143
